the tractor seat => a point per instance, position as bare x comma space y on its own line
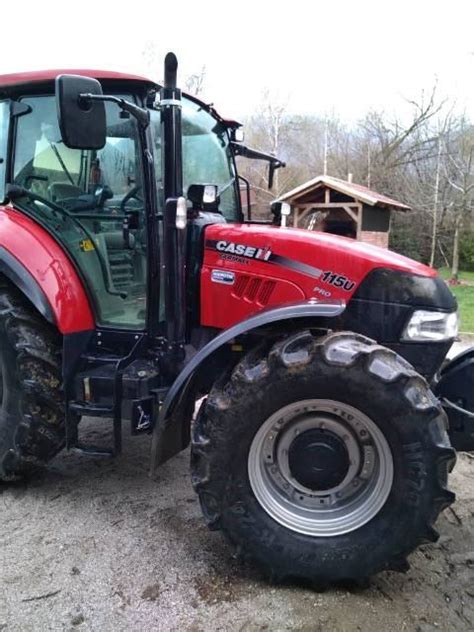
114, 240
63, 190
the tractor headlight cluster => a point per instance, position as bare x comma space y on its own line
425, 325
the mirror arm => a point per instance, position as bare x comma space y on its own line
271, 173
140, 114
254, 154
247, 189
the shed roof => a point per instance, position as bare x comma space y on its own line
357, 191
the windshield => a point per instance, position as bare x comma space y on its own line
206, 155
83, 197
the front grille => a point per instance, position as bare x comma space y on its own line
253, 289
265, 292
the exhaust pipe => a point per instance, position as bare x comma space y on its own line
174, 243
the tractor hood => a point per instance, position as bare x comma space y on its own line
266, 265
311, 248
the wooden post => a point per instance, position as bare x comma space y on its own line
296, 213
360, 210
353, 214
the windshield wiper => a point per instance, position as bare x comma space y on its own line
15, 192
226, 186
62, 163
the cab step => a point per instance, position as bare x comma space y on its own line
93, 451
91, 410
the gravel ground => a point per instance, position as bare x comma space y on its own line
97, 545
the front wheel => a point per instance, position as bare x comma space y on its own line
323, 459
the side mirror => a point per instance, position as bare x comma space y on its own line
204, 197
81, 120
237, 135
281, 211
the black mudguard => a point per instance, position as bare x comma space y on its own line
455, 389
168, 437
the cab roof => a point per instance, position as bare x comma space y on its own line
44, 76
20, 80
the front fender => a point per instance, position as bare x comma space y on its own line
183, 384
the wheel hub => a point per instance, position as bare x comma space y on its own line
318, 459
320, 467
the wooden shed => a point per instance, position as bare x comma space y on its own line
343, 208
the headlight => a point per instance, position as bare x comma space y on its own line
435, 326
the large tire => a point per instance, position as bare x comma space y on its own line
32, 409
408, 459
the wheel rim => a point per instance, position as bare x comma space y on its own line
320, 467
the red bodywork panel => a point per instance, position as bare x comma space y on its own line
48, 264
249, 267
41, 76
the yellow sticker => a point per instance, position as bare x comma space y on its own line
86, 245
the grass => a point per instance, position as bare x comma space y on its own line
465, 295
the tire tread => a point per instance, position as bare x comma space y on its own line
294, 352
31, 438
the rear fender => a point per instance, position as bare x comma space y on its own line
171, 431
455, 389
37, 264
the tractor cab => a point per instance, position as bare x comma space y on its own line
92, 200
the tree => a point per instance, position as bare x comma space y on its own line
268, 130
460, 175
194, 82
391, 144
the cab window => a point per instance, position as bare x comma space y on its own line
4, 119
83, 198
206, 155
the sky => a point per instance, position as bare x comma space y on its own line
315, 57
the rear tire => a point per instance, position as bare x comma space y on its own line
32, 409
273, 517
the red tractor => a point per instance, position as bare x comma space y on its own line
321, 446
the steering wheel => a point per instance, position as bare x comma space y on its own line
130, 195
